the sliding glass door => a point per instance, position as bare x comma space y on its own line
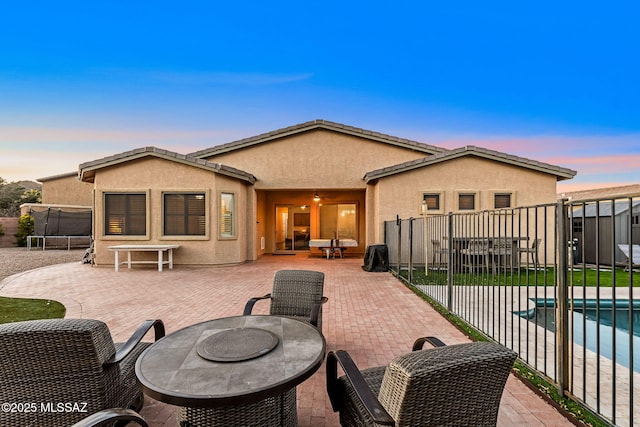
339, 221
292, 228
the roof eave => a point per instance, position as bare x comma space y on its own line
58, 176
87, 170
559, 172
312, 125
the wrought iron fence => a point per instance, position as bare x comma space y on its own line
553, 282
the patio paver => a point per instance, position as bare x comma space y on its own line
371, 315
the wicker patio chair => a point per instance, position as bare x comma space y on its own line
75, 362
296, 294
457, 385
107, 417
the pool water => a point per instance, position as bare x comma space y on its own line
587, 319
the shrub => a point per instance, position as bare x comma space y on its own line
25, 228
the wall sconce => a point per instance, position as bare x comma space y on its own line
316, 197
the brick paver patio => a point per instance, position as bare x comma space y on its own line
371, 315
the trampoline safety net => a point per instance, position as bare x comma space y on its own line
55, 222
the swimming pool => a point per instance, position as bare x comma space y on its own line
588, 318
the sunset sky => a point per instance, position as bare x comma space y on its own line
553, 81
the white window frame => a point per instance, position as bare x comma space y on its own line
221, 217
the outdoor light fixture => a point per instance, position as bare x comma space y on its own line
316, 197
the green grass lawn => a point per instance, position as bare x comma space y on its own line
525, 277
19, 309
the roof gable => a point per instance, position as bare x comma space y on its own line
313, 125
86, 171
470, 150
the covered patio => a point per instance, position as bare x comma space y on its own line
371, 315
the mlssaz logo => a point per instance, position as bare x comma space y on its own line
64, 407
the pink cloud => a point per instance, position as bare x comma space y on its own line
569, 186
618, 163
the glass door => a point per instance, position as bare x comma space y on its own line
292, 229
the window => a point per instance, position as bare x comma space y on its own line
466, 202
227, 218
339, 221
432, 201
502, 200
577, 225
125, 214
184, 214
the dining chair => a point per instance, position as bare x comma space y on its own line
440, 251
297, 294
533, 251
458, 385
477, 253
68, 361
501, 253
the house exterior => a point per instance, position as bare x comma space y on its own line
275, 192
66, 189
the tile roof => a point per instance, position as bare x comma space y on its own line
318, 124
87, 170
470, 150
605, 208
600, 193
58, 176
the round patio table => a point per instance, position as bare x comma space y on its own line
233, 371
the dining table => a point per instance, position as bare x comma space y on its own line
472, 252
233, 371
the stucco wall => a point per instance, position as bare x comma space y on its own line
156, 176
260, 231
315, 159
402, 194
67, 190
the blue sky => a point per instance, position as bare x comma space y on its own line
557, 82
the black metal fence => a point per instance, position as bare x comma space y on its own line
553, 282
